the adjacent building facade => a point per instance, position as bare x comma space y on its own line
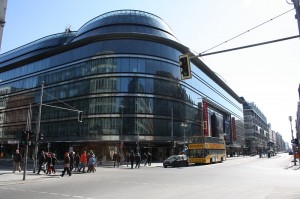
259, 136
121, 69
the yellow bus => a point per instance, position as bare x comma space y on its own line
206, 150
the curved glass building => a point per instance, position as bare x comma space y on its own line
121, 69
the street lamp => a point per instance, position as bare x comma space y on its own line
172, 132
184, 125
121, 132
293, 145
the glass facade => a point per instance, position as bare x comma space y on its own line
128, 88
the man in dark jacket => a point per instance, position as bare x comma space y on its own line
42, 161
17, 161
132, 158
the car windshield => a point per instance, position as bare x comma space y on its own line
176, 157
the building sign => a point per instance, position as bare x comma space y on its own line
205, 118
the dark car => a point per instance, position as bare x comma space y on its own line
176, 161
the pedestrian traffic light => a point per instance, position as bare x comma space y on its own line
41, 136
24, 138
31, 135
80, 116
185, 68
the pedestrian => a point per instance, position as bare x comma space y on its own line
83, 161
132, 158
42, 162
92, 163
53, 162
71, 160
49, 163
137, 160
17, 161
118, 159
149, 158
76, 161
127, 158
66, 165
115, 158
145, 158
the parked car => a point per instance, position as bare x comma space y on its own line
176, 161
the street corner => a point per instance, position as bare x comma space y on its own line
10, 178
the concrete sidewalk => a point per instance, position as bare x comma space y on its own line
7, 177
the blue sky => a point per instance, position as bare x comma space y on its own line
267, 75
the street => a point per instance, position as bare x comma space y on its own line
239, 177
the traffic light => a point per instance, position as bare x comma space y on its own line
41, 136
80, 116
31, 135
294, 141
185, 68
24, 138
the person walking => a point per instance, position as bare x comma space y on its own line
17, 161
83, 161
53, 162
137, 160
144, 158
76, 161
66, 165
132, 158
49, 163
71, 160
42, 162
149, 158
127, 158
92, 163
115, 158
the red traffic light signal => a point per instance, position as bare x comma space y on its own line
185, 68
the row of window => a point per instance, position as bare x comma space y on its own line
91, 128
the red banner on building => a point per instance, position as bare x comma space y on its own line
205, 118
233, 129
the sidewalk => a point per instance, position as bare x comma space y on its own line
292, 166
7, 177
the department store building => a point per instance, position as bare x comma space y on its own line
122, 70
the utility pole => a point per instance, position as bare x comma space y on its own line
293, 144
172, 132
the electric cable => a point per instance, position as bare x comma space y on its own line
247, 31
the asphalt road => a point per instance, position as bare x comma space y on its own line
237, 178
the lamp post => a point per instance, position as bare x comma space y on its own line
293, 145
172, 133
184, 125
121, 132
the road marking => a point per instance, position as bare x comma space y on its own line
43, 192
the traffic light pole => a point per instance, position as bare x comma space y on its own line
25, 166
38, 126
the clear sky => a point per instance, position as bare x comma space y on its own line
267, 75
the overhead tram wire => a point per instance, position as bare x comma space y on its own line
201, 54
